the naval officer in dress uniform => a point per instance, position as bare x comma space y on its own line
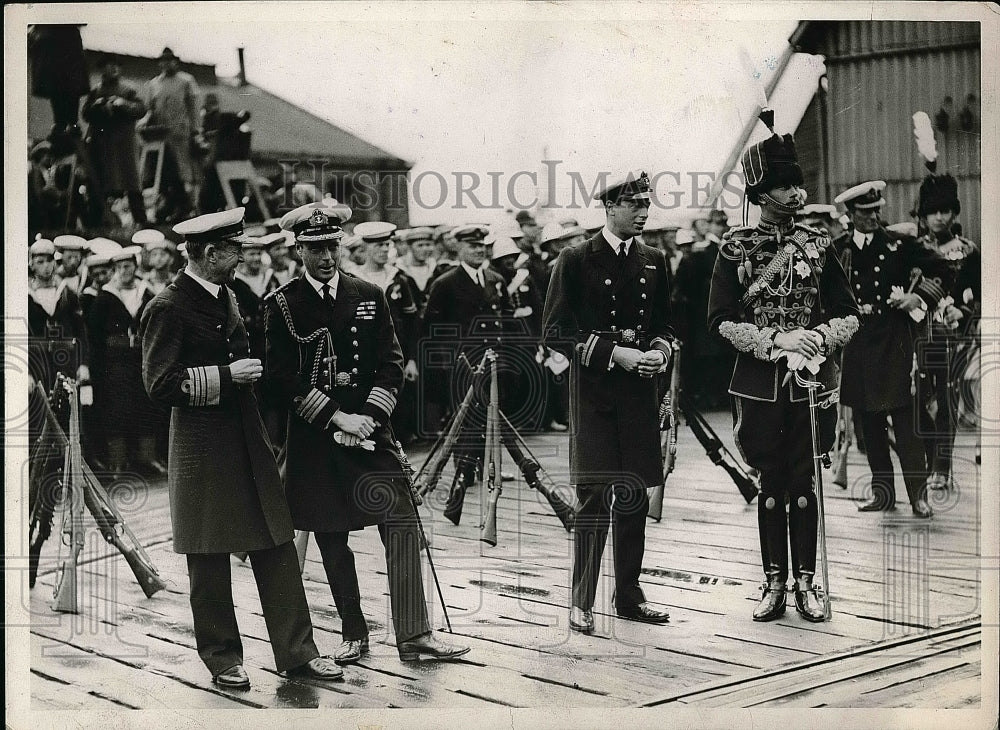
781, 300
333, 358
896, 281
225, 492
608, 309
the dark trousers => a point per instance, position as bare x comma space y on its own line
934, 389
590, 533
776, 439
282, 598
912, 459
401, 539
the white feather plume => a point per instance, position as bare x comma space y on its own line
923, 133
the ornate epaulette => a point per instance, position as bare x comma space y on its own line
735, 241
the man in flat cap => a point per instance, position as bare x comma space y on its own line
225, 491
172, 102
333, 358
896, 281
780, 299
952, 325
608, 310
466, 309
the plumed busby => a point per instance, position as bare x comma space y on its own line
770, 164
937, 193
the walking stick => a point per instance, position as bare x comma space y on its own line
811, 387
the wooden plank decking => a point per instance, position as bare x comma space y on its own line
905, 631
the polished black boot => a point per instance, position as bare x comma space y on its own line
772, 599
773, 525
807, 600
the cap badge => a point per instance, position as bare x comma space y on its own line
318, 218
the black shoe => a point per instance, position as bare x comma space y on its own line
807, 600
877, 505
430, 647
317, 668
772, 601
581, 619
232, 678
645, 613
922, 510
351, 651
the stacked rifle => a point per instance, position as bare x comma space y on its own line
79, 487
675, 403
498, 433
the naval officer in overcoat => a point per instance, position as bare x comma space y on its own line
334, 360
608, 309
896, 281
781, 300
225, 492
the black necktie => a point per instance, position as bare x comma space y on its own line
621, 255
327, 295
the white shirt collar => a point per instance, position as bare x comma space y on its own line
474, 273
860, 239
614, 241
211, 288
316, 284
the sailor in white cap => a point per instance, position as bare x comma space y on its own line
126, 412
56, 329
99, 271
608, 310
159, 252
226, 494
334, 360
895, 280
72, 249
420, 261
278, 246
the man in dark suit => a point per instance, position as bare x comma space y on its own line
896, 281
334, 360
780, 299
466, 309
608, 309
225, 492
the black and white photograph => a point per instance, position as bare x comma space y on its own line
501, 364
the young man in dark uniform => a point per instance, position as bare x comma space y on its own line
895, 280
608, 310
333, 357
937, 405
225, 492
780, 298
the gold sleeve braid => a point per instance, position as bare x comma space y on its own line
748, 337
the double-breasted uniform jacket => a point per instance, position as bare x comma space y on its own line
403, 298
252, 308
798, 284
593, 304
116, 363
878, 364
225, 492
332, 488
57, 340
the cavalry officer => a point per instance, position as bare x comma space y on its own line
895, 280
608, 309
401, 293
938, 208
333, 358
225, 491
781, 300
466, 309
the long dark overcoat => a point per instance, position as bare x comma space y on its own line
225, 492
878, 361
332, 488
613, 413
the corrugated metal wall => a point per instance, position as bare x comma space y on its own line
879, 75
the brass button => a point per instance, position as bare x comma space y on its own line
354, 371
607, 282
355, 343
876, 283
644, 296
877, 269
642, 312
354, 329
881, 257
642, 280
613, 313
357, 357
